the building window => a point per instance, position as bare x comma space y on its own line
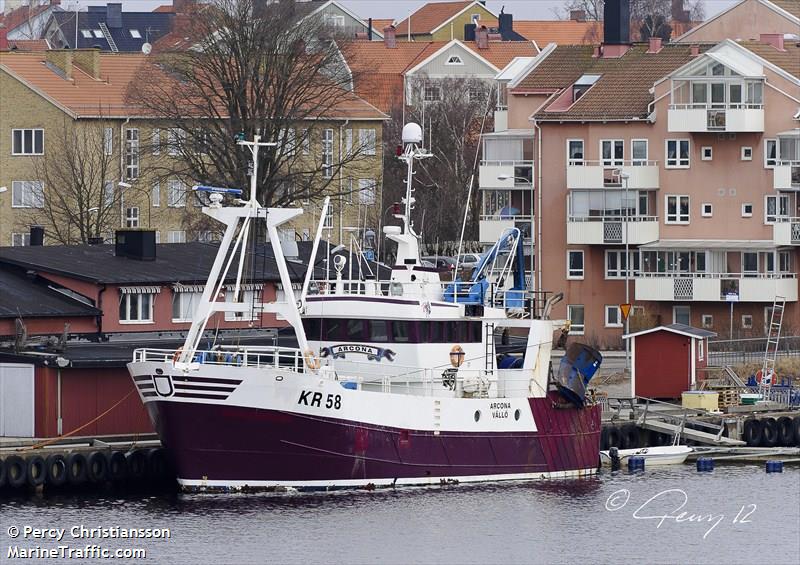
27, 142
707, 153
432, 94
454, 60
98, 33
245, 297
184, 304
328, 223
707, 210
639, 152
132, 217
155, 141
613, 316
681, 315
109, 194
776, 208
367, 139
750, 263
348, 142
575, 264
136, 308
27, 194
20, 239
747, 210
575, 317
616, 264
475, 94
135, 34
86, 33
612, 152
327, 153
176, 236
366, 191
131, 153
707, 321
677, 209
204, 236
747, 321
305, 141
575, 153
108, 141
747, 153
155, 194
176, 195
770, 153
175, 138
677, 153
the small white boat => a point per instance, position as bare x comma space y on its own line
660, 455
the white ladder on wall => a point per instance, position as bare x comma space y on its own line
107, 34
771, 350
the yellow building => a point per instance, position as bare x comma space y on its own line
65, 117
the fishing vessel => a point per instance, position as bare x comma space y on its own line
394, 381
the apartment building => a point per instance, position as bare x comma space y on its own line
686, 155
45, 98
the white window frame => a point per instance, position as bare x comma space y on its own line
185, 311
155, 141
175, 138
108, 141
747, 321
745, 212
707, 321
678, 218
612, 161
677, 162
710, 150
176, 236
155, 194
27, 194
248, 297
767, 159
367, 139
744, 153
131, 153
142, 316
327, 153
175, 187
607, 310
135, 33
675, 313
328, 223
20, 239
619, 271
778, 199
576, 329
348, 142
32, 149
575, 276
366, 191
431, 93
700, 349
87, 34
638, 162
703, 212
576, 162
132, 217
98, 33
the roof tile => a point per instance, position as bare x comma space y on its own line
430, 16
788, 59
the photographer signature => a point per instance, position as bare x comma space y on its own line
677, 497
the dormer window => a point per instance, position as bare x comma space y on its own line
98, 33
582, 85
86, 33
135, 34
454, 60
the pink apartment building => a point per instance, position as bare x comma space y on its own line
689, 152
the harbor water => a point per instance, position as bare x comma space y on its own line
735, 514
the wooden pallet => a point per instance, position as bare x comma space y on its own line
727, 396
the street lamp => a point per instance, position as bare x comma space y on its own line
526, 181
625, 176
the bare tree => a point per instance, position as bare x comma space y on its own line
77, 198
452, 127
256, 67
651, 18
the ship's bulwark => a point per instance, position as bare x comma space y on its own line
217, 443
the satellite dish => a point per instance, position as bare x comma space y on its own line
146, 48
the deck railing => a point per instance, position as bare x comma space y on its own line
258, 356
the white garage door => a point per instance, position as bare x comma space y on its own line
16, 400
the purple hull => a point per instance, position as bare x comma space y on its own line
224, 443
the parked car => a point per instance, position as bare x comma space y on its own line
469, 260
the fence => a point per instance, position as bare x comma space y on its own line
741, 351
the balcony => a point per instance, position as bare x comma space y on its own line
505, 174
490, 228
714, 287
595, 174
703, 118
786, 231
610, 230
786, 175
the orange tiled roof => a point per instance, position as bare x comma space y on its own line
500, 53
563, 32
430, 16
28, 44
166, 9
379, 23
788, 59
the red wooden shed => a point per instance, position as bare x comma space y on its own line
665, 360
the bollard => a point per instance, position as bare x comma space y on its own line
635, 464
774, 466
705, 464
613, 453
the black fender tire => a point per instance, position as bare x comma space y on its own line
137, 465
614, 437
769, 434
604, 439
785, 431
97, 467
752, 432
157, 464
37, 472
117, 466
796, 428
56, 468
16, 471
77, 471
630, 436
2, 473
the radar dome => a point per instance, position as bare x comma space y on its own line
412, 133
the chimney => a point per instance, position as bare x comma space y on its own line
506, 23
114, 15
655, 45
577, 15
60, 60
695, 52
389, 37
37, 236
617, 22
369, 29
135, 244
774, 39
88, 60
3, 38
482, 37
469, 32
